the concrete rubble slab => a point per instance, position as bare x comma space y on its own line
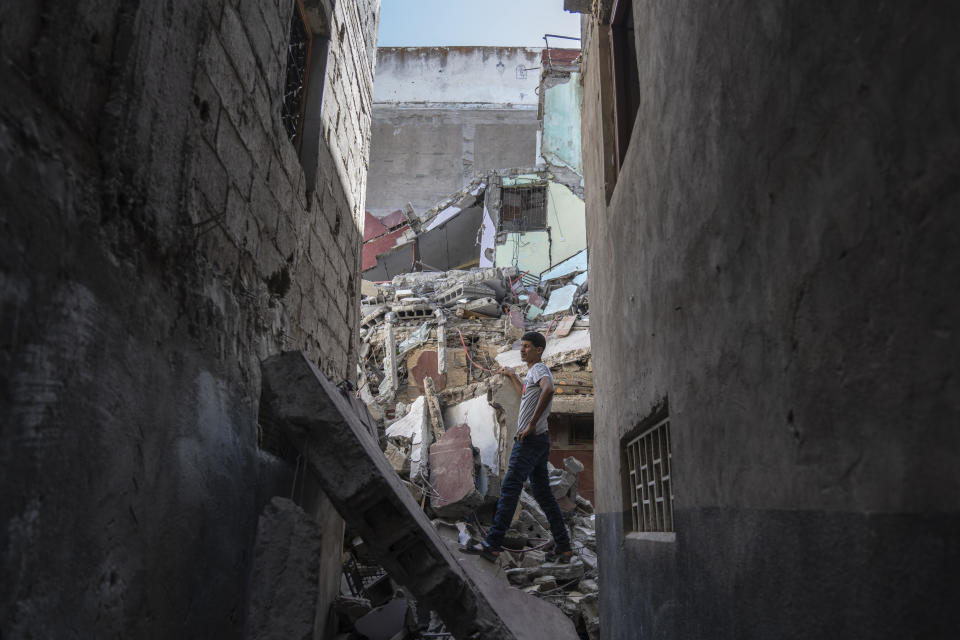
414, 428
452, 474
561, 299
473, 603
460, 291
484, 427
433, 408
479, 308
574, 264
559, 351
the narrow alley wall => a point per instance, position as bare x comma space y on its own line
159, 238
772, 283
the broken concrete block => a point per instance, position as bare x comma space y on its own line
491, 493
588, 585
546, 582
584, 504
285, 582
562, 482
416, 429
390, 359
398, 458
433, 408
590, 610
354, 474
484, 427
519, 576
589, 558
452, 474
529, 504
460, 291
479, 308
526, 526
385, 622
572, 465
572, 570
533, 559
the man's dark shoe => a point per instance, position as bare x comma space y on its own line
479, 549
563, 556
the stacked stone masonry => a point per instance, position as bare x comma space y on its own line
159, 239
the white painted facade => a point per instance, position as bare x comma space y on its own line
470, 77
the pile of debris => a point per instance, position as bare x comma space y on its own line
572, 586
450, 325
372, 606
431, 344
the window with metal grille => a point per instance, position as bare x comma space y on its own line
649, 486
523, 209
298, 72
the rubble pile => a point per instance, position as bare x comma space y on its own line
431, 344
450, 325
572, 586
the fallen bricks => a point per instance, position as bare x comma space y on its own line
299, 401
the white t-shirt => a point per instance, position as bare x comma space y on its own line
531, 396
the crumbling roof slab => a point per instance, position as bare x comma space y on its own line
369, 495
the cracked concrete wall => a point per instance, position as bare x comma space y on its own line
158, 241
778, 260
445, 115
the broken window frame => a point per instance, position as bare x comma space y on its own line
647, 473
529, 215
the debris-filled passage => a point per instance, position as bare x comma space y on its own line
431, 346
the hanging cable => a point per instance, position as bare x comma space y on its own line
466, 351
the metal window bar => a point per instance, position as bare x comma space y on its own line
298, 69
523, 209
651, 489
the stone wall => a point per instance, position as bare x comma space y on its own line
776, 265
158, 240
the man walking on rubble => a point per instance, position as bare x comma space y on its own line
531, 449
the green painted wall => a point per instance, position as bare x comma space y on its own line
561, 123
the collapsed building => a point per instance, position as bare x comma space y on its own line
522, 206
448, 291
431, 343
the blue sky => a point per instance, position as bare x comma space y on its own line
419, 23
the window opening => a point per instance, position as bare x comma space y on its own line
298, 73
649, 483
626, 75
523, 209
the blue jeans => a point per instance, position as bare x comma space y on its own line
528, 459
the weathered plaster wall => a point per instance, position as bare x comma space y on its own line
451, 75
158, 241
560, 143
444, 115
778, 260
537, 251
422, 156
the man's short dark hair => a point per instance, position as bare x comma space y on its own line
535, 338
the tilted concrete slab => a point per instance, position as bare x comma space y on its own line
360, 483
452, 476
